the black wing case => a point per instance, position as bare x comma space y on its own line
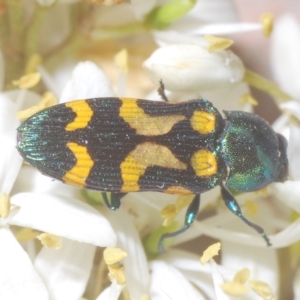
125, 145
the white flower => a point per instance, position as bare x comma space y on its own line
192, 69
43, 208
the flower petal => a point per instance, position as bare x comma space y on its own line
31, 180
18, 279
66, 271
10, 164
87, 81
262, 262
293, 107
287, 192
285, 56
64, 217
135, 264
293, 152
168, 283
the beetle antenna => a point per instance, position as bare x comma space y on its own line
161, 91
234, 207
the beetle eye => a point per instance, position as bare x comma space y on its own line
283, 160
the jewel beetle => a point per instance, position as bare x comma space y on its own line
123, 145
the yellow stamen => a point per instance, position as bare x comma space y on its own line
265, 85
33, 62
4, 205
48, 99
50, 241
251, 208
261, 288
264, 192
113, 255
241, 276
267, 21
145, 297
116, 273
121, 60
28, 81
210, 252
217, 43
248, 98
171, 211
234, 289
26, 234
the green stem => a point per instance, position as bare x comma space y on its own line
70, 46
15, 18
101, 34
11, 41
162, 16
33, 30
263, 84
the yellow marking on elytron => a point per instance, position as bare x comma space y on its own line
143, 156
83, 112
143, 123
177, 190
204, 163
203, 122
84, 163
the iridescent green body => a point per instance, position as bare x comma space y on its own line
253, 152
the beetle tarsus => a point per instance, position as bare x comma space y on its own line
115, 200
190, 216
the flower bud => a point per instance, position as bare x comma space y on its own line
192, 69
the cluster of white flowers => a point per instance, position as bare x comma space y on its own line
68, 262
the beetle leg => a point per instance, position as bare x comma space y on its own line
114, 202
161, 91
234, 207
190, 216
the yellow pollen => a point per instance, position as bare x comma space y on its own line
33, 62
217, 43
4, 205
171, 211
50, 241
210, 252
261, 288
121, 60
234, 289
116, 273
113, 255
267, 21
28, 81
248, 98
48, 99
26, 234
241, 276
251, 208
